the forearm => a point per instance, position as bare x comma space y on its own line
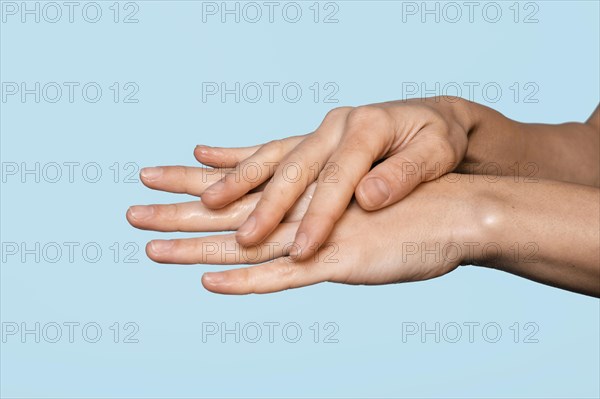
546, 231
497, 145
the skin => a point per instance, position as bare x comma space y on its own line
416, 141
411, 136
543, 231
567, 152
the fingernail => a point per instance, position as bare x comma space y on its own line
299, 244
213, 278
202, 149
151, 173
247, 227
141, 212
161, 246
375, 191
208, 152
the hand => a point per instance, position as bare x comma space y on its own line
420, 140
364, 248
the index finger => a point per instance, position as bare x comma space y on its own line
365, 140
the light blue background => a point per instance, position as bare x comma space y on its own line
368, 54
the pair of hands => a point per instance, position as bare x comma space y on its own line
290, 202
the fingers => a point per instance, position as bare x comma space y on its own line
298, 170
191, 216
221, 249
195, 217
366, 138
249, 173
181, 179
223, 157
422, 160
279, 275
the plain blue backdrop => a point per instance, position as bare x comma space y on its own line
543, 56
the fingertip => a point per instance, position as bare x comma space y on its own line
304, 247
373, 193
158, 250
210, 280
201, 152
256, 229
247, 240
219, 283
148, 175
303, 254
298, 246
210, 156
141, 216
210, 201
139, 213
245, 233
129, 217
149, 252
213, 199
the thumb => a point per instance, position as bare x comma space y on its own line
398, 175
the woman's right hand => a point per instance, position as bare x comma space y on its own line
547, 232
387, 246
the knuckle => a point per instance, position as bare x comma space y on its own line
444, 151
368, 129
403, 169
245, 278
276, 146
337, 113
168, 211
180, 246
430, 113
286, 271
451, 155
292, 163
367, 115
185, 172
330, 173
301, 167
181, 170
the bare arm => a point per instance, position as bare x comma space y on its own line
567, 152
548, 231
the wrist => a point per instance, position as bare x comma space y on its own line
465, 112
456, 109
482, 223
493, 141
